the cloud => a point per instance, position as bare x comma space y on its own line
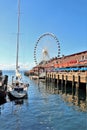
27, 66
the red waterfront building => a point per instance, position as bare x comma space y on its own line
74, 60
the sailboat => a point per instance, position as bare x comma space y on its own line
18, 88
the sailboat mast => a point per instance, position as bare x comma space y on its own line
18, 33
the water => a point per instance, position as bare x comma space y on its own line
44, 109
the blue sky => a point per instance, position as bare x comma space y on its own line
67, 19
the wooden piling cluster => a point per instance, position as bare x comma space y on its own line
79, 77
64, 78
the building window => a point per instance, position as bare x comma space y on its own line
83, 57
86, 57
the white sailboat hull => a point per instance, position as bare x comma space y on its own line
18, 95
17, 92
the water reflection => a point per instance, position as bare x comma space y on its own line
75, 97
18, 102
14, 104
2, 101
71, 96
1, 104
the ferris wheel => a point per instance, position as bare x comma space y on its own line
46, 48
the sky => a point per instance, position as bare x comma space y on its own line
66, 19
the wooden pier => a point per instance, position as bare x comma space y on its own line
75, 79
80, 77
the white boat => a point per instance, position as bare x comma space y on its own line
17, 89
